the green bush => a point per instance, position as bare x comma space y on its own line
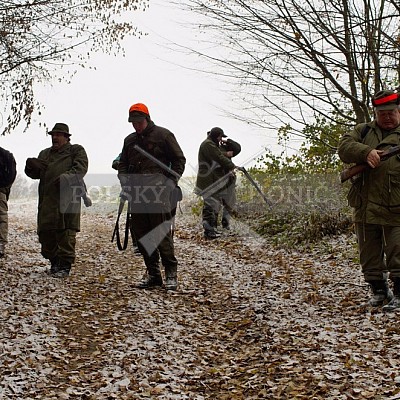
301, 228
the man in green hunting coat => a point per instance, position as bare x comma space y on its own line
375, 198
61, 169
150, 167
213, 178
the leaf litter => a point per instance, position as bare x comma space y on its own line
249, 321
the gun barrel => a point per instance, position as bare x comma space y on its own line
252, 181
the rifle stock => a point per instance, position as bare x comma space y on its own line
358, 168
352, 171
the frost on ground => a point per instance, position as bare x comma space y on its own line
249, 321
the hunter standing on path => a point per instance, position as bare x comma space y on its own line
375, 198
150, 166
61, 169
213, 179
8, 172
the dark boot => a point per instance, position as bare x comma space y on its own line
380, 293
225, 221
394, 303
150, 281
64, 268
54, 265
226, 225
152, 278
2, 250
209, 231
171, 280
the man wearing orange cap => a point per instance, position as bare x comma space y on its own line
150, 166
60, 169
375, 198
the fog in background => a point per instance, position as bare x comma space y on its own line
179, 97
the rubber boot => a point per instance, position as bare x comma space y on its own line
394, 303
381, 293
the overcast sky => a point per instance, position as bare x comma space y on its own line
95, 105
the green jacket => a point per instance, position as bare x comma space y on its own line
375, 194
214, 167
159, 143
63, 170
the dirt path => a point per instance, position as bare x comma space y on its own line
247, 322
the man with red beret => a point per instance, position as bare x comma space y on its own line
375, 198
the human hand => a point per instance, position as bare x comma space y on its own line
373, 158
36, 164
232, 172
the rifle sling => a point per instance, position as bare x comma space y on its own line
116, 234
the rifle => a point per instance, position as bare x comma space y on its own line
157, 161
252, 181
358, 168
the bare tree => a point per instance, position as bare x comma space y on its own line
37, 37
303, 60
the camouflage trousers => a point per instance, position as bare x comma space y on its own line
379, 248
58, 243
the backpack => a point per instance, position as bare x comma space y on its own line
8, 168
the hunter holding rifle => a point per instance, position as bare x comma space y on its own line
375, 198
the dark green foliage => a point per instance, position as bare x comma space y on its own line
301, 229
309, 201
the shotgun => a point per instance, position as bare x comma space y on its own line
358, 168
